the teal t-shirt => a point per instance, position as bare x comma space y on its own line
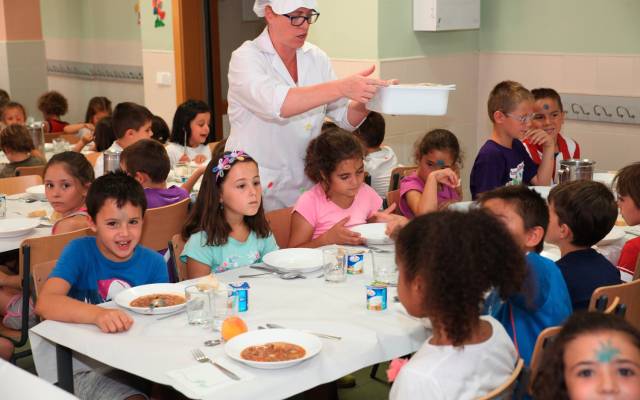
234, 254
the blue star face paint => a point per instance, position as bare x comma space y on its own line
440, 163
606, 353
545, 106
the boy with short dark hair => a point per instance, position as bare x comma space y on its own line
581, 213
627, 184
148, 162
503, 159
93, 270
379, 160
131, 122
544, 299
17, 145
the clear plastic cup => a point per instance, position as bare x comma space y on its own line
200, 304
334, 266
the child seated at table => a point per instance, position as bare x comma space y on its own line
379, 160
468, 355
544, 300
190, 133
67, 178
53, 106
160, 129
503, 160
581, 213
93, 270
98, 108
226, 227
147, 161
18, 146
131, 122
435, 183
339, 199
627, 186
14, 113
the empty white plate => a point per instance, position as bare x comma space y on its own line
36, 192
616, 234
125, 297
297, 260
11, 227
373, 233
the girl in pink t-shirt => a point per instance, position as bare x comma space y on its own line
339, 199
435, 183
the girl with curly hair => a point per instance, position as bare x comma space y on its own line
595, 356
339, 199
468, 355
53, 106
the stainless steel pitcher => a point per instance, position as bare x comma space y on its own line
575, 170
111, 160
36, 131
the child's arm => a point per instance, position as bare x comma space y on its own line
427, 201
544, 177
302, 232
74, 128
53, 303
188, 185
196, 269
84, 140
12, 281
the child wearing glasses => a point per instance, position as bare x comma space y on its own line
503, 159
434, 185
548, 115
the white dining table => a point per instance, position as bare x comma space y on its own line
153, 347
18, 384
17, 207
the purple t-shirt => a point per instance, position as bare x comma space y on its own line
497, 166
414, 182
164, 197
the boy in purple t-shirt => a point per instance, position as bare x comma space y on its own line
503, 160
147, 161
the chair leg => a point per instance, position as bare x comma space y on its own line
374, 371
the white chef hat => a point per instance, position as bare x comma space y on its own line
282, 6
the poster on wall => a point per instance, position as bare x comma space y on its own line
159, 13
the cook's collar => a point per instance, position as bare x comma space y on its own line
264, 43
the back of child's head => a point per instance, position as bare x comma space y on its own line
104, 136
627, 182
98, 104
4, 98
53, 103
16, 138
147, 156
160, 129
117, 186
549, 381
127, 116
14, 105
371, 131
526, 202
547, 93
185, 113
207, 214
442, 140
76, 165
328, 125
326, 151
457, 273
588, 208
506, 96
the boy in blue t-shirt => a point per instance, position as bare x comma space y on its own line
544, 299
503, 159
581, 213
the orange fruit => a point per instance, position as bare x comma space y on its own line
233, 326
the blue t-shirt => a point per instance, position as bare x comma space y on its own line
543, 302
95, 279
497, 166
233, 254
585, 271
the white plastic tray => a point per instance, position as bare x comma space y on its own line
412, 99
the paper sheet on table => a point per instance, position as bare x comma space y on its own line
203, 378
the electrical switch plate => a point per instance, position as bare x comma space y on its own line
163, 78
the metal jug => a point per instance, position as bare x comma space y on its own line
36, 131
575, 170
111, 160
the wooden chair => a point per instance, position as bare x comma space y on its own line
19, 184
39, 274
629, 294
636, 273
280, 223
544, 339
49, 136
160, 224
398, 173
505, 390
70, 137
176, 245
35, 170
394, 197
93, 157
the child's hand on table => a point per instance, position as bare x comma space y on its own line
338, 234
112, 321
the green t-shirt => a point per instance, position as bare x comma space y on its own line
9, 170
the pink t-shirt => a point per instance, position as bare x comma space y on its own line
323, 213
413, 182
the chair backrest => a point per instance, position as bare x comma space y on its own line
393, 197
38, 250
538, 350
636, 273
49, 136
93, 157
70, 137
34, 170
629, 294
19, 184
280, 224
504, 391
40, 272
175, 249
398, 173
161, 223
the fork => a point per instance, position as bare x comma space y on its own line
202, 358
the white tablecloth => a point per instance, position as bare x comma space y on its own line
17, 384
20, 209
151, 347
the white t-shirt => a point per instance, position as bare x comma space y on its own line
176, 151
447, 372
98, 169
379, 165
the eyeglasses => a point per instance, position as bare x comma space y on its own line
523, 119
298, 20
552, 115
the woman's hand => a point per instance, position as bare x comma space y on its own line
446, 177
200, 158
360, 87
338, 234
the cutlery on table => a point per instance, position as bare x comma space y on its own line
211, 343
202, 358
379, 249
173, 314
321, 335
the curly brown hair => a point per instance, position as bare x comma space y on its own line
53, 103
326, 151
16, 138
439, 139
548, 381
458, 272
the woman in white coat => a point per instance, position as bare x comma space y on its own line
281, 88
